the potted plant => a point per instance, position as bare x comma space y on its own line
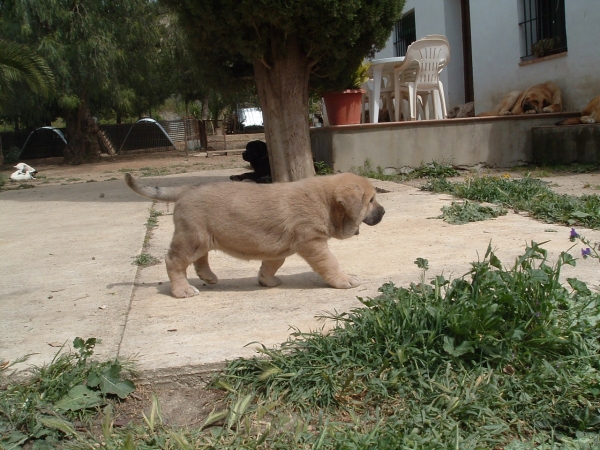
343, 106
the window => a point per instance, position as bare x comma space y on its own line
543, 30
405, 33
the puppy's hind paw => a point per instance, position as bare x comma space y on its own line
185, 291
268, 281
208, 277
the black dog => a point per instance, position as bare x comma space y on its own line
256, 154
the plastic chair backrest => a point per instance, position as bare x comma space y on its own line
433, 55
433, 37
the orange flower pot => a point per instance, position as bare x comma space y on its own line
343, 108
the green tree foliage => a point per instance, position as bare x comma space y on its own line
286, 46
19, 63
106, 55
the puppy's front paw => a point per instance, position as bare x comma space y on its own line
235, 178
184, 291
505, 113
587, 119
348, 282
533, 111
268, 281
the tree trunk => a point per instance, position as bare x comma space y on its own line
283, 93
82, 137
205, 108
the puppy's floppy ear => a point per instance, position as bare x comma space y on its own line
349, 197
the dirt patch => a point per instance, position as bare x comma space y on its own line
113, 167
180, 405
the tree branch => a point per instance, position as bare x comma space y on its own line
264, 63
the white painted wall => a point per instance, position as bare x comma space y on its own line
439, 17
496, 44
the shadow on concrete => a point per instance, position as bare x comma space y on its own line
297, 281
103, 191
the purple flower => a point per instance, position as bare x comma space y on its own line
585, 252
573, 235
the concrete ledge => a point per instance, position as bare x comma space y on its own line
492, 141
567, 144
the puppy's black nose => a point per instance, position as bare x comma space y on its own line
528, 107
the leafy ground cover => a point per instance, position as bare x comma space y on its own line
459, 213
432, 170
46, 409
503, 357
525, 194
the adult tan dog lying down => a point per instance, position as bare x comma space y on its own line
541, 98
267, 222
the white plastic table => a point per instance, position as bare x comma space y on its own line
376, 70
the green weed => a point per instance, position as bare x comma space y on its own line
41, 411
153, 219
432, 170
525, 194
321, 168
465, 212
145, 260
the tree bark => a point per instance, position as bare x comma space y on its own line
282, 85
82, 137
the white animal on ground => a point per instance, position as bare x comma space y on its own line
25, 168
24, 172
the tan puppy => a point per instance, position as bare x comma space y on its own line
541, 98
590, 114
267, 222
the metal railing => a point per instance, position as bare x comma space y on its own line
543, 29
405, 33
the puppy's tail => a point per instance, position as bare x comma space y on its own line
162, 194
570, 121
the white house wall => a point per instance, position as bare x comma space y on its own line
496, 46
497, 53
439, 17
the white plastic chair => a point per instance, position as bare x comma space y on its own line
419, 74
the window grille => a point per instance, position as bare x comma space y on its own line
405, 33
543, 28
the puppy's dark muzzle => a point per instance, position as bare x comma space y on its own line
375, 216
529, 107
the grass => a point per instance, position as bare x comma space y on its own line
432, 170
501, 358
526, 194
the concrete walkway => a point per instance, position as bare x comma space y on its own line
66, 257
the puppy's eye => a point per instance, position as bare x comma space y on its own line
372, 199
